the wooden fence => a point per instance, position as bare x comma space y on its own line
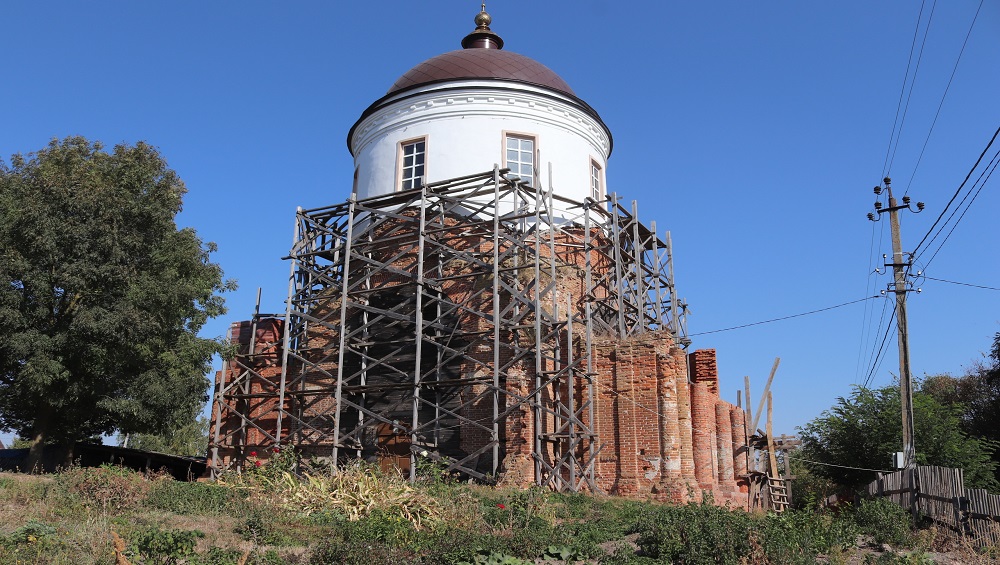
940, 494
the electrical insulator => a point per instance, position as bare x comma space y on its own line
920, 205
906, 200
887, 181
878, 205
878, 190
871, 216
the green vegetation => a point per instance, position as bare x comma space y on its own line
363, 516
188, 438
101, 295
865, 429
975, 396
956, 420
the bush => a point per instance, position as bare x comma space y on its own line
336, 552
110, 489
260, 526
194, 498
31, 532
30, 543
884, 521
709, 534
166, 546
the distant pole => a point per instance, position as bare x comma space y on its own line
900, 265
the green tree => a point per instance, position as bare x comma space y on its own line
863, 430
977, 392
976, 395
101, 295
190, 438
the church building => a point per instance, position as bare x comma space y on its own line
482, 301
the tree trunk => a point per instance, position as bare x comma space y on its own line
69, 447
38, 433
34, 462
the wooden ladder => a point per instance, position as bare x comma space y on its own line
778, 488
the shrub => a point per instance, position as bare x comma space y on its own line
355, 492
515, 509
709, 534
337, 552
110, 489
194, 498
30, 532
382, 526
31, 543
260, 526
884, 521
166, 546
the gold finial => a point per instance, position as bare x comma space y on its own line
483, 20
482, 37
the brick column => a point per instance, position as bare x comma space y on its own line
704, 395
703, 435
724, 439
685, 426
739, 447
670, 371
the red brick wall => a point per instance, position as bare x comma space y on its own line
662, 429
251, 380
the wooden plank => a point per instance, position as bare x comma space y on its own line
773, 470
767, 389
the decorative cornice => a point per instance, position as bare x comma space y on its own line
479, 101
500, 88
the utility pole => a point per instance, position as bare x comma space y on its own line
900, 266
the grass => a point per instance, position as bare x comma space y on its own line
364, 516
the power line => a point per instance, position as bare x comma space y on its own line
878, 356
871, 354
785, 317
943, 96
961, 283
839, 466
913, 81
868, 314
902, 89
993, 163
916, 250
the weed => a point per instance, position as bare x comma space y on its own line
355, 492
564, 553
166, 546
194, 498
109, 489
885, 522
31, 532
495, 558
336, 552
260, 526
433, 472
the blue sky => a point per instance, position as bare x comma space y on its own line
753, 131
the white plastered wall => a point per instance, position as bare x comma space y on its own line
464, 123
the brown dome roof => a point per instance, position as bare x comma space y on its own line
481, 57
481, 64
